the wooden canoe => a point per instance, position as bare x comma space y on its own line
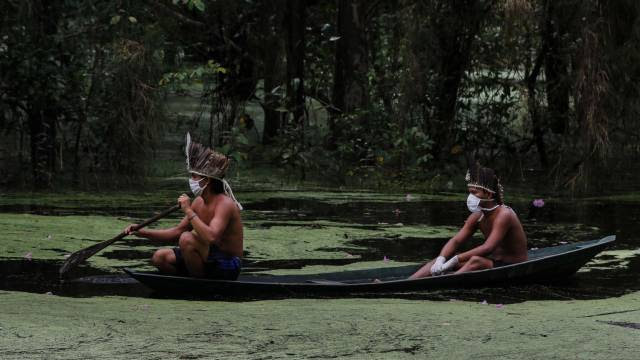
544, 264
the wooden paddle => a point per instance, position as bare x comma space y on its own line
82, 255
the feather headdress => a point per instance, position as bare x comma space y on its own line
206, 162
486, 179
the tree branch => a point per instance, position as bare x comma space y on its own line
168, 10
538, 64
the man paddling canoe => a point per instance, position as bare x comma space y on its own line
210, 235
505, 240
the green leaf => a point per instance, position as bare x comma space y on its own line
115, 19
132, 20
199, 4
242, 140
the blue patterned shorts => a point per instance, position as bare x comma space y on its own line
218, 265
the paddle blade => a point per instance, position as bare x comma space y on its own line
82, 255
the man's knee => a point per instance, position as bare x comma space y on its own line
161, 257
187, 241
479, 261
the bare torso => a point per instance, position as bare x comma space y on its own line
231, 241
513, 247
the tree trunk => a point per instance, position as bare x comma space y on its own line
42, 131
271, 51
271, 116
456, 28
532, 104
556, 68
350, 90
295, 26
44, 110
381, 66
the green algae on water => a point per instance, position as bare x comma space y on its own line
36, 326
53, 237
319, 239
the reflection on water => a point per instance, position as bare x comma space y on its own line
551, 225
42, 277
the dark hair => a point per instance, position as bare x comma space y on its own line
487, 178
216, 186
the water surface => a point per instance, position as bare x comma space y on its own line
611, 274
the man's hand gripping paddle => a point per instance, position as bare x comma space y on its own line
82, 255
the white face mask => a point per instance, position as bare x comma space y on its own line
473, 203
195, 187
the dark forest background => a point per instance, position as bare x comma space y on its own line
399, 90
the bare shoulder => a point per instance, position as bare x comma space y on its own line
507, 216
226, 204
473, 219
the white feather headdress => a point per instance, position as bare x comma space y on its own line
206, 162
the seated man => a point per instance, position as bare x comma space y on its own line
505, 240
210, 235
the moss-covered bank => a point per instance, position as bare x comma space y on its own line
47, 326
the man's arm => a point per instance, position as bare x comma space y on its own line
213, 231
498, 232
434, 267
169, 235
466, 232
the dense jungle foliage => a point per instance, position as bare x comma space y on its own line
399, 90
